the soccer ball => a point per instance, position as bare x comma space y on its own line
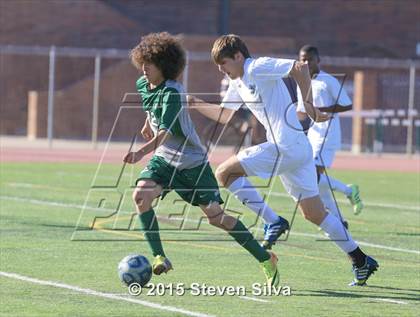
135, 269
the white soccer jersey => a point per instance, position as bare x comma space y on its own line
326, 92
263, 91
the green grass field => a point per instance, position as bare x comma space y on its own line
42, 203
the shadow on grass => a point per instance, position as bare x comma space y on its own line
360, 295
62, 226
408, 234
397, 289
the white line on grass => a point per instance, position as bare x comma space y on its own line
388, 300
367, 244
66, 205
322, 237
367, 204
276, 194
91, 292
54, 203
378, 246
254, 299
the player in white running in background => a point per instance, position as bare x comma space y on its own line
258, 84
325, 137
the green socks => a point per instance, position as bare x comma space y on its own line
149, 225
241, 234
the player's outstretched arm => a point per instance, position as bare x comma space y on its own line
301, 115
210, 110
147, 131
300, 73
154, 143
336, 108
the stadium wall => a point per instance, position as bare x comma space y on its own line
370, 28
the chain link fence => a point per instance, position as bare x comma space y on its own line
73, 93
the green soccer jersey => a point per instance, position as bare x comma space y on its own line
164, 107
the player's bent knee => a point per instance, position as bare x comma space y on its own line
224, 175
313, 216
143, 199
313, 210
307, 215
214, 221
221, 176
214, 214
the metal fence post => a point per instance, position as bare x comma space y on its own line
186, 70
410, 114
51, 75
95, 110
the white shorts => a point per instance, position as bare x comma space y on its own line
324, 158
294, 165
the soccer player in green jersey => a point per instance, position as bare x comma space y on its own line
180, 161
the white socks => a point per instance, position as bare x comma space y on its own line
329, 202
337, 233
327, 197
335, 184
246, 193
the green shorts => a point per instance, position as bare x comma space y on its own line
197, 185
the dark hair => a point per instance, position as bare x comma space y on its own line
310, 49
228, 46
163, 50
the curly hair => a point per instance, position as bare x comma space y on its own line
163, 50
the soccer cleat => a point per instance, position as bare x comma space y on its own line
273, 231
361, 274
161, 265
355, 199
270, 270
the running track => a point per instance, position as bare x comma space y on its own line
15, 149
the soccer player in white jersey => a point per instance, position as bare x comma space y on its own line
325, 137
258, 84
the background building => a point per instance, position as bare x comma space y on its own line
356, 29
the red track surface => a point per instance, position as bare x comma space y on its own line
399, 163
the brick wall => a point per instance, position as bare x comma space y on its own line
74, 86
180, 16
88, 23
73, 106
368, 28
22, 73
386, 28
363, 28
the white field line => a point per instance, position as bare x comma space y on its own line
65, 205
322, 237
254, 299
276, 194
76, 206
367, 244
378, 246
367, 204
393, 301
91, 292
